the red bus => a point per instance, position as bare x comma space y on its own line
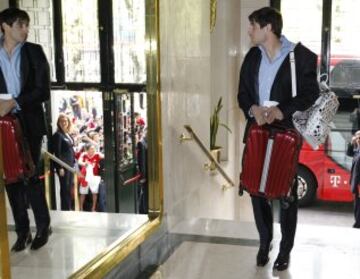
324, 174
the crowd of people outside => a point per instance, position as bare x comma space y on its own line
79, 142
84, 136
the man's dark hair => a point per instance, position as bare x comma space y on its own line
11, 15
268, 15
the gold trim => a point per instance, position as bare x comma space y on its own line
213, 8
117, 252
4, 242
184, 138
47, 179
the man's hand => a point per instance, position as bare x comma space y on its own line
6, 106
258, 113
272, 113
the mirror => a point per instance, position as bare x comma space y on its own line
129, 113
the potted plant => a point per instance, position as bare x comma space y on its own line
214, 126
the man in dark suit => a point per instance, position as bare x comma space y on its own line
25, 75
353, 150
265, 77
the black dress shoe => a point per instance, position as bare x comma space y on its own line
22, 241
282, 261
41, 238
356, 226
262, 257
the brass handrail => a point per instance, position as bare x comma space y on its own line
47, 157
208, 155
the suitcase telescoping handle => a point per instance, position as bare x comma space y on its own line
265, 169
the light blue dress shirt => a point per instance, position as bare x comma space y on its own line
269, 68
10, 67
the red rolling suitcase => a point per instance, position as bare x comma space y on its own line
270, 160
16, 157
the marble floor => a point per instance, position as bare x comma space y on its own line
320, 252
326, 247
76, 239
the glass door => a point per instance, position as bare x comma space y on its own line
131, 152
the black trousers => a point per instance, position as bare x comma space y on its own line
66, 183
357, 207
263, 214
143, 198
33, 191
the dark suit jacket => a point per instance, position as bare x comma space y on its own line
35, 89
355, 167
307, 86
63, 147
142, 158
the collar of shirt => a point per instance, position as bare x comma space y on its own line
269, 68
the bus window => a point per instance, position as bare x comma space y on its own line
345, 122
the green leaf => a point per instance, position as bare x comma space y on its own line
215, 123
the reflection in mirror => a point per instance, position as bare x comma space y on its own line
84, 240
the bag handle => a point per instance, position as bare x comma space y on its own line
293, 73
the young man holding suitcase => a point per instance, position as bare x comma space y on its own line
25, 75
265, 78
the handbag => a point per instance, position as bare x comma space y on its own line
314, 123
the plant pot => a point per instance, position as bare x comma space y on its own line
216, 153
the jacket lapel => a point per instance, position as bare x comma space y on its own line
3, 87
280, 73
24, 66
256, 76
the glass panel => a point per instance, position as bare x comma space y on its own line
129, 41
345, 53
124, 130
298, 27
41, 27
346, 122
85, 110
81, 40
